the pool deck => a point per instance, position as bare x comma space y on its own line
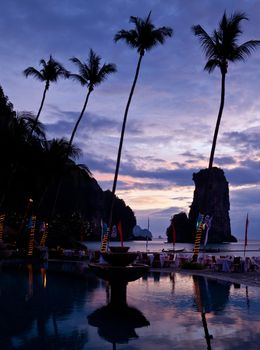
80, 267
245, 278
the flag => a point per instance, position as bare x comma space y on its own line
199, 221
119, 227
207, 223
114, 232
246, 228
42, 227
29, 223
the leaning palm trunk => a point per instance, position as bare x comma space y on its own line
121, 143
204, 204
40, 109
79, 119
59, 185
222, 100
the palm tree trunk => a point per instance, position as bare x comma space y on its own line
222, 100
40, 109
79, 119
121, 142
204, 203
69, 147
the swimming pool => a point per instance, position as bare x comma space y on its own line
43, 310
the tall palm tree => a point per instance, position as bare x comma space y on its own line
143, 37
221, 48
90, 74
50, 73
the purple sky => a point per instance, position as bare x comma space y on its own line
174, 108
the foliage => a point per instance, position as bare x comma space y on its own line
41, 162
192, 265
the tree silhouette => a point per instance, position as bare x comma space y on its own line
50, 73
90, 74
16, 146
221, 48
143, 37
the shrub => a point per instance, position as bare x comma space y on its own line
192, 265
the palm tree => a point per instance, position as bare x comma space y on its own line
143, 37
221, 48
16, 131
50, 73
55, 163
90, 74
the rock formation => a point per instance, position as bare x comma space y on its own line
182, 229
211, 196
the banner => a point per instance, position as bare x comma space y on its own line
207, 226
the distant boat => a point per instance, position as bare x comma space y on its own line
173, 250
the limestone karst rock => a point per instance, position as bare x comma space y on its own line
211, 196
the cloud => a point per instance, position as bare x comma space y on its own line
174, 108
245, 141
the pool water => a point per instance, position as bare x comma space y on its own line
43, 310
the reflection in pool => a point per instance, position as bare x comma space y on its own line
165, 311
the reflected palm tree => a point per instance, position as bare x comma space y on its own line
143, 37
221, 48
50, 73
210, 296
202, 308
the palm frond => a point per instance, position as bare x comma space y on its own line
246, 49
207, 43
222, 46
211, 65
51, 71
144, 36
27, 121
90, 73
104, 71
33, 72
79, 78
130, 37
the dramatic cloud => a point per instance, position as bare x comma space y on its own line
174, 108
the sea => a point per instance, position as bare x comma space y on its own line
158, 245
